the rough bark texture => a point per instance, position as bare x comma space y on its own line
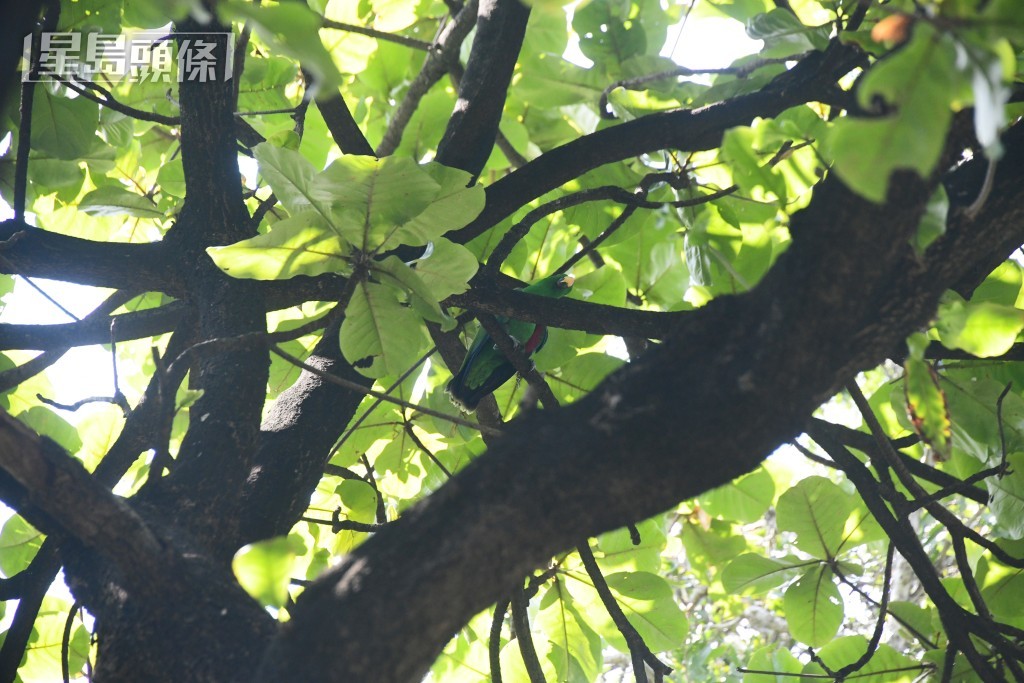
727, 385
736, 379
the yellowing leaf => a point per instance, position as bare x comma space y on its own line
927, 406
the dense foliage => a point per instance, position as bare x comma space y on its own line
810, 251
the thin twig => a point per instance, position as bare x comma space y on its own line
373, 406
515, 355
88, 90
65, 643
638, 650
379, 35
371, 479
426, 451
1002, 431
119, 401
883, 610
11, 268
334, 379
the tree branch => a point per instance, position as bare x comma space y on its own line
473, 126
436, 65
692, 130
765, 360
61, 487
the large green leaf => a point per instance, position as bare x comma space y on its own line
446, 268
927, 405
649, 604
265, 569
393, 271
117, 201
744, 500
381, 195
379, 335
916, 81
783, 33
559, 617
983, 329
1007, 499
19, 542
885, 666
773, 659
816, 510
298, 245
453, 206
291, 178
63, 128
293, 29
814, 607
753, 574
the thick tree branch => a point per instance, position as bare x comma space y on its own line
659, 430
342, 126
61, 487
35, 252
471, 131
692, 130
233, 381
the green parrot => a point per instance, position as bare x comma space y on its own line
485, 367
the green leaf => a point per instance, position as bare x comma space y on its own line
292, 29
917, 81
615, 549
933, 222
885, 666
982, 329
744, 500
393, 271
19, 543
264, 569
358, 500
291, 178
453, 206
783, 33
927, 405
753, 574
380, 195
816, 510
814, 607
1007, 499
379, 335
111, 200
48, 423
63, 128
649, 604
775, 659
559, 617
446, 268
299, 245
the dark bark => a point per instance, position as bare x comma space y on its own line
660, 430
473, 126
728, 384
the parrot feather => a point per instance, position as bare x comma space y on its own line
485, 367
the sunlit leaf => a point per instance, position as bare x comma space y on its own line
299, 245
264, 569
814, 607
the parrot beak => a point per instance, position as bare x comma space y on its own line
567, 280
